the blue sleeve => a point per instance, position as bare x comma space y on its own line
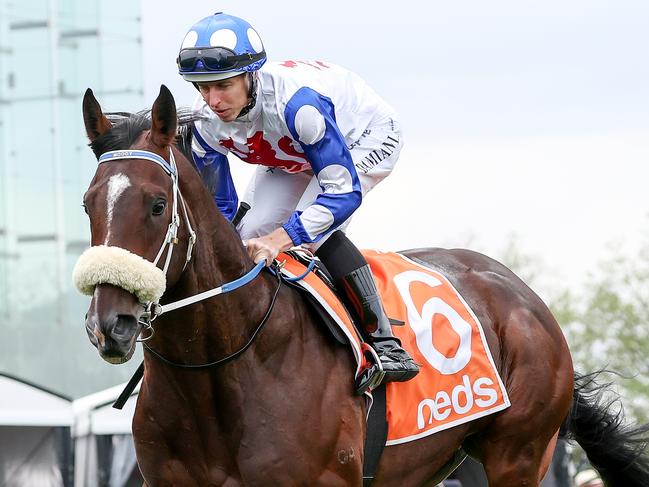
215, 171
311, 120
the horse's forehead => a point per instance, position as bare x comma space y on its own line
116, 186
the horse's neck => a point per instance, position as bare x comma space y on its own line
216, 327
209, 331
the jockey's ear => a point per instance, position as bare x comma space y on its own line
163, 119
94, 119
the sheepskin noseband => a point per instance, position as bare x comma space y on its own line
103, 264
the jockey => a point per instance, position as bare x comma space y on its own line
321, 139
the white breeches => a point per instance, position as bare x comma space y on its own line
274, 194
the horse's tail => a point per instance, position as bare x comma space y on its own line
596, 421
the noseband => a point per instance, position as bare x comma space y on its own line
115, 265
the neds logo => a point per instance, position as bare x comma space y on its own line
461, 400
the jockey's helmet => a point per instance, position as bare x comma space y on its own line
218, 47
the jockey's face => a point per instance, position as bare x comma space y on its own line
226, 97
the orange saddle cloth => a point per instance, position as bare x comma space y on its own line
458, 381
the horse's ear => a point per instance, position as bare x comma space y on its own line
164, 119
94, 119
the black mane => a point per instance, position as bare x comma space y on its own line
127, 127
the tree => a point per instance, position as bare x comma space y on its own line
607, 326
606, 322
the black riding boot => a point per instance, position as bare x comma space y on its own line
361, 291
352, 274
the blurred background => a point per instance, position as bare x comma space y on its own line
527, 138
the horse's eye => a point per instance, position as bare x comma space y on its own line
85, 208
159, 207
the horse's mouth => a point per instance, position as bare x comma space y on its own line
118, 359
112, 350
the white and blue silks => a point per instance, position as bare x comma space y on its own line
323, 139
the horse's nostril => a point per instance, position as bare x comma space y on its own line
125, 326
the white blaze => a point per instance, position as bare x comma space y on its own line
117, 184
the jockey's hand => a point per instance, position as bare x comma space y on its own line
268, 246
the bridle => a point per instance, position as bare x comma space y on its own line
153, 309
171, 237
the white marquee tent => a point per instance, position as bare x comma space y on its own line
104, 455
35, 441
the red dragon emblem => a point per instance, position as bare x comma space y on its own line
261, 152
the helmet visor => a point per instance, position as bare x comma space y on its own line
215, 59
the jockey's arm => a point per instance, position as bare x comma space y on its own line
214, 168
310, 118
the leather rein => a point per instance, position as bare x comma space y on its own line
155, 309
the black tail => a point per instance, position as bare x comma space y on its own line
596, 421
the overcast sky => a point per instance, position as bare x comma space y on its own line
526, 118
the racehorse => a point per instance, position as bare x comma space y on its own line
277, 407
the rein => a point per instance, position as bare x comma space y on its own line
156, 309
139, 372
153, 309
232, 356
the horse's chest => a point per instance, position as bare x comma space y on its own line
176, 448
184, 466
181, 473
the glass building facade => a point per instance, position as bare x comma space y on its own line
51, 51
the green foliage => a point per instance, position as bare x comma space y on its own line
608, 326
606, 322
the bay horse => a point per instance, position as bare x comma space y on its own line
283, 412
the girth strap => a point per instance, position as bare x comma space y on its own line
377, 435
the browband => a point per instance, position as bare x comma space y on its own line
138, 154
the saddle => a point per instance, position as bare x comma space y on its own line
319, 269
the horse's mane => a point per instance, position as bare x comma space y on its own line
127, 127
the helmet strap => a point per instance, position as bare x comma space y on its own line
252, 94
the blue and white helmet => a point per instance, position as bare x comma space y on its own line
218, 47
